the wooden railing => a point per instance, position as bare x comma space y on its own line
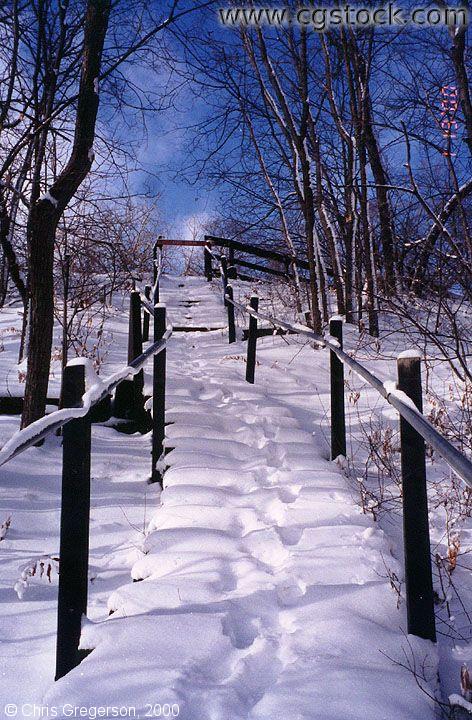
406, 397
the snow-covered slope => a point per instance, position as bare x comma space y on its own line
258, 589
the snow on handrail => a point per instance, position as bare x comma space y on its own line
457, 461
210, 252
99, 390
158, 267
144, 301
298, 329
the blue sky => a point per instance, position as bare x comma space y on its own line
157, 147
162, 150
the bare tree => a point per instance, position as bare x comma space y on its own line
46, 212
53, 61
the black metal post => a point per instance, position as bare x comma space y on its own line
231, 323
129, 398
135, 349
418, 575
338, 417
207, 262
224, 275
251, 343
157, 259
147, 293
232, 273
158, 395
75, 514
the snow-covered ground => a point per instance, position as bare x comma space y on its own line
253, 586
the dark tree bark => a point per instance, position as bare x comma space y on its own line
8, 252
369, 139
46, 212
330, 239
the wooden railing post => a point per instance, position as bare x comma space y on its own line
156, 260
224, 275
207, 262
75, 514
129, 398
135, 349
231, 323
338, 418
147, 293
232, 273
155, 250
158, 395
418, 574
251, 342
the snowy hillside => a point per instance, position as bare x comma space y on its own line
253, 587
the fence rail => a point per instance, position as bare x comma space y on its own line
458, 462
281, 257
37, 431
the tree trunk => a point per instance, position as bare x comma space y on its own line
362, 116
367, 246
313, 259
328, 231
4, 280
8, 252
349, 232
385, 216
41, 287
46, 212
458, 55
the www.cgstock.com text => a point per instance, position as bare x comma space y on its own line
322, 18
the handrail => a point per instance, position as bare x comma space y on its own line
210, 252
144, 301
298, 329
39, 429
157, 267
258, 251
457, 460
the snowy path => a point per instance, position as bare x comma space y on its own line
191, 303
260, 590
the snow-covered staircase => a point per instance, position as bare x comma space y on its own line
192, 304
259, 589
